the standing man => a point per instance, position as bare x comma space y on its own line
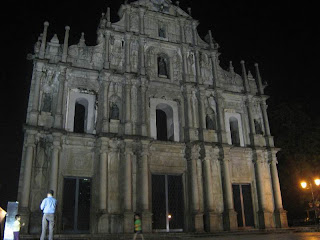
48, 207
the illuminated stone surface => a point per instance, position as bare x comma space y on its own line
93, 114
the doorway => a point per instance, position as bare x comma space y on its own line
167, 203
242, 199
76, 205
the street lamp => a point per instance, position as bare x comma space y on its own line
315, 203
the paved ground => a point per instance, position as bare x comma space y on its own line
268, 236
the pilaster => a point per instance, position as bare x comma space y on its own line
280, 214
106, 108
58, 118
107, 50
127, 187
230, 215
265, 216
144, 188
56, 147
128, 124
196, 211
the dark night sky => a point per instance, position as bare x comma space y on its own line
278, 35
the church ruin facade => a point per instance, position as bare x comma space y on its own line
147, 122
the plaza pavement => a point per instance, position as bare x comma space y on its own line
266, 236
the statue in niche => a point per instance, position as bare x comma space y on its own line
258, 127
46, 103
114, 112
191, 63
162, 32
162, 67
210, 123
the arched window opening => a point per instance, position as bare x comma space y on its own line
79, 118
234, 130
257, 125
163, 67
164, 122
161, 125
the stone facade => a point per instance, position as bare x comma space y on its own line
151, 61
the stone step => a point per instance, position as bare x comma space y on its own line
167, 236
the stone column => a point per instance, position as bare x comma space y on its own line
127, 51
134, 106
190, 115
105, 127
103, 179
142, 63
64, 100
264, 214
195, 109
254, 141
128, 125
127, 11
145, 191
268, 137
222, 135
107, 50
195, 33
230, 216
198, 71
58, 116
251, 119
185, 65
182, 34
245, 78
197, 215
28, 161
280, 214
43, 41
259, 82
103, 187
143, 108
65, 44
55, 162
213, 219
203, 109
36, 95
141, 20
114, 185
127, 187
265, 118
214, 69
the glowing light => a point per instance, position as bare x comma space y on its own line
317, 181
303, 184
169, 216
2, 214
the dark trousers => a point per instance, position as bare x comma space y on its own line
45, 219
16, 235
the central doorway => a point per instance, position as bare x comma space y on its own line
167, 203
76, 205
242, 199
